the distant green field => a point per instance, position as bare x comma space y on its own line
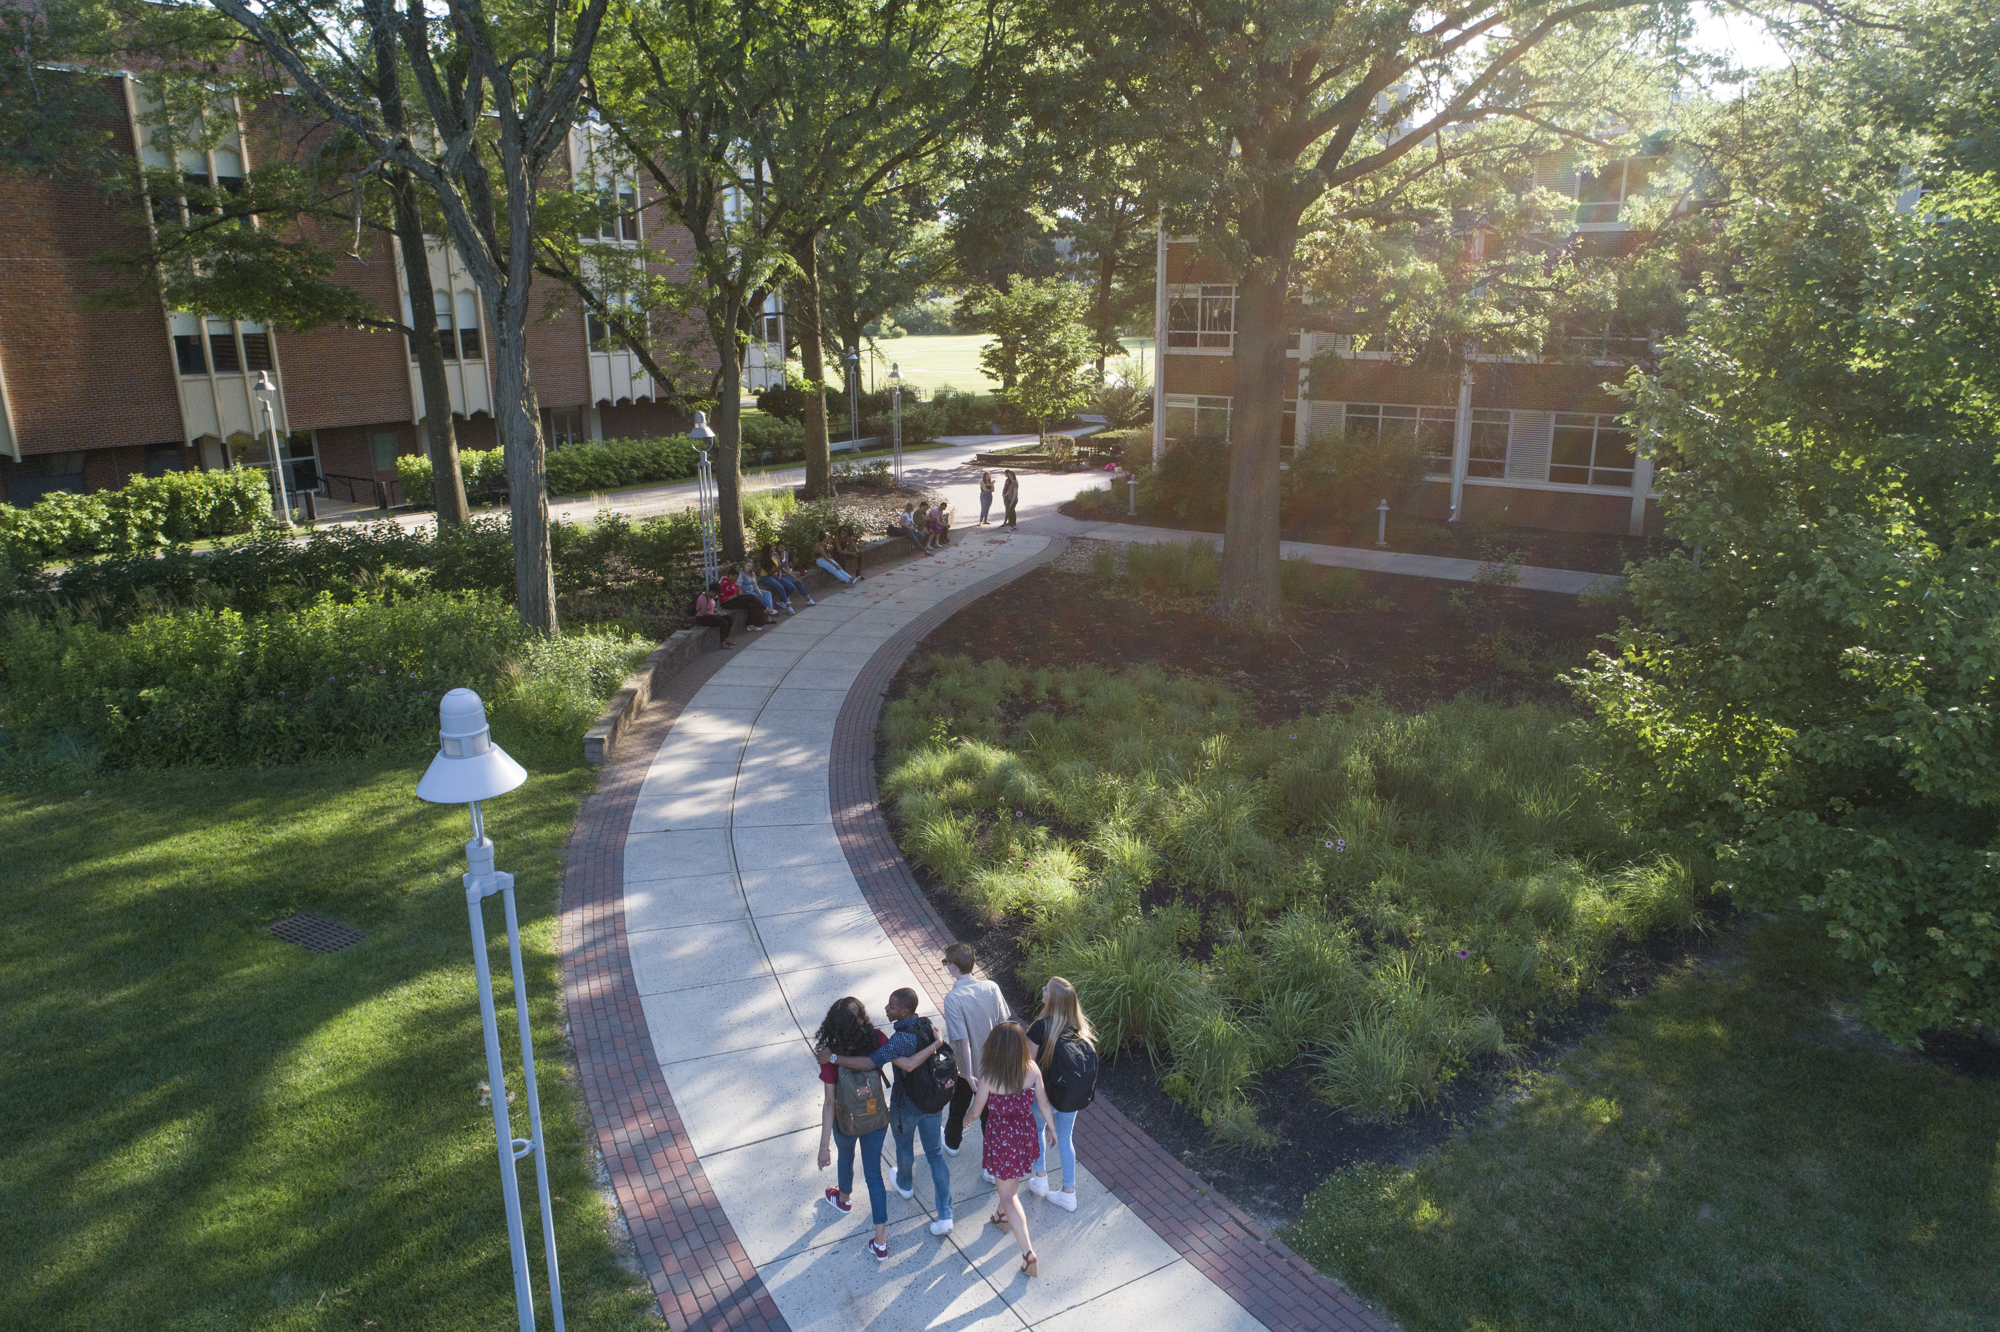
930, 361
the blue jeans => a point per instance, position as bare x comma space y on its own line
780, 586
871, 1169
907, 1122
836, 571
1065, 1121
985, 504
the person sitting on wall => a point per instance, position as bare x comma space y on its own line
752, 606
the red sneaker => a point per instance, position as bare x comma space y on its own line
881, 1251
833, 1200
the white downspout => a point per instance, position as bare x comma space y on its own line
1642, 486
1461, 438
10, 439
1160, 347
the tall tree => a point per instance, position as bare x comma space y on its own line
500, 91
1041, 350
889, 253
1262, 110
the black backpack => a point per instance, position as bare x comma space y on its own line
1072, 1074
930, 1084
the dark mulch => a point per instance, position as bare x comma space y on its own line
1587, 552
1405, 640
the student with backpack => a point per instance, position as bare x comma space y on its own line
854, 1113
1063, 1046
927, 1074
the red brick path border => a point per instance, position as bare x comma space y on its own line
686, 1246
1277, 1287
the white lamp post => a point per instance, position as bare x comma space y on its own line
896, 414
470, 768
704, 476
264, 390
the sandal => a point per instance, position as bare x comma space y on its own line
999, 1219
1031, 1264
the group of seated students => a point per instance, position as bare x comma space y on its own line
759, 594
927, 527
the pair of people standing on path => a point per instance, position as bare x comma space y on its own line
1010, 494
852, 1054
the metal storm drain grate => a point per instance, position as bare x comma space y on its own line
316, 933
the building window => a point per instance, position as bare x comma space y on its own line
1591, 450
1288, 430
447, 339
469, 347
628, 212
1201, 317
565, 426
256, 348
187, 351
1601, 194
1190, 417
1430, 428
1488, 453
222, 348
599, 331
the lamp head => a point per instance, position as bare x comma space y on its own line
469, 766
264, 384
701, 430
895, 374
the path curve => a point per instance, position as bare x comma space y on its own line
731, 877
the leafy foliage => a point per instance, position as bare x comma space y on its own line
1813, 699
146, 514
1041, 350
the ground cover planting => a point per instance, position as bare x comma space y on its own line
1252, 881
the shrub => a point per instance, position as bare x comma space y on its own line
950, 412
802, 528
582, 468
1187, 568
769, 439
146, 514
1191, 480
1338, 479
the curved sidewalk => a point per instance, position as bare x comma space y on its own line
730, 880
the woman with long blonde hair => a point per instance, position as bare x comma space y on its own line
1012, 1097
1063, 1046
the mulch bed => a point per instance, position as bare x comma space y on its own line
1586, 552
1405, 641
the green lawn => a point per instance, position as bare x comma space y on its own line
1727, 1153
936, 359
210, 1129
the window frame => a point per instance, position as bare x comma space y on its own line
1601, 469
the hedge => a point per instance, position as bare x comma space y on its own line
147, 514
575, 469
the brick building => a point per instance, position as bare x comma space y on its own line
90, 395
1533, 443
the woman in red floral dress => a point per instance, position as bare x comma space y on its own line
1012, 1096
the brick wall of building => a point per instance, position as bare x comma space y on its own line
1211, 375
337, 376
644, 420
77, 378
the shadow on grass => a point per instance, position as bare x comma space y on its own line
209, 1128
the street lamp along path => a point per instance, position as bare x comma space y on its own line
470, 768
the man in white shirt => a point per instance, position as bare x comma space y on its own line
973, 1007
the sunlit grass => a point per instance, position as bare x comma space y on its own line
207, 1128
1725, 1153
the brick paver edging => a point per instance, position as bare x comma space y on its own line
686, 1246
1277, 1287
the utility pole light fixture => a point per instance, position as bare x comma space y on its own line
703, 435
468, 769
264, 389
896, 413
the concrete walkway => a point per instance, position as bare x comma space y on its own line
744, 922
1378, 561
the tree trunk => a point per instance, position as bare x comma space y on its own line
802, 312
725, 456
447, 482
1107, 268
518, 416
1250, 532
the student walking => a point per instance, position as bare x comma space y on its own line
1011, 494
923, 1087
854, 1112
1064, 1048
708, 610
1012, 1097
973, 1007
985, 496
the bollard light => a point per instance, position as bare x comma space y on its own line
1132, 495
470, 768
1382, 523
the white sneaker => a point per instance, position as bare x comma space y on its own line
1038, 1185
896, 1183
987, 1175
951, 1151
941, 1227
1064, 1198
